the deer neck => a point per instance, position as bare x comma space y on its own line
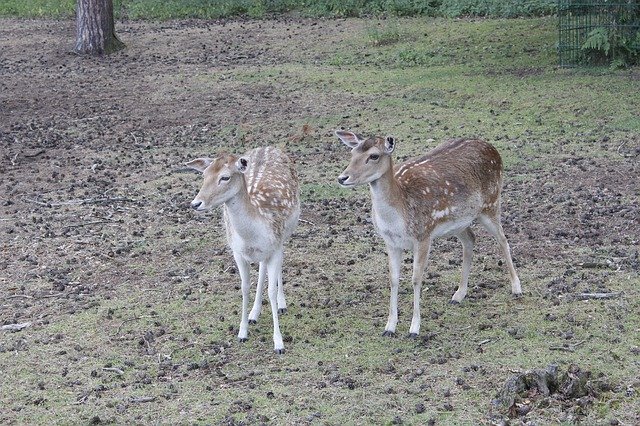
386, 193
239, 211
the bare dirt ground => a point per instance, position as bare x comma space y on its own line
101, 254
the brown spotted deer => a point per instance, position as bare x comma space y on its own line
437, 195
260, 195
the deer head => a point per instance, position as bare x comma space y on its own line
223, 179
370, 158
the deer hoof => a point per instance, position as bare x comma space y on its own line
279, 351
516, 295
242, 339
253, 322
388, 333
413, 335
282, 311
454, 302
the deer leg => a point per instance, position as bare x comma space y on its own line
395, 260
274, 266
420, 260
257, 303
467, 239
243, 268
492, 224
282, 303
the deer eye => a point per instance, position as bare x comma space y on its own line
224, 178
374, 157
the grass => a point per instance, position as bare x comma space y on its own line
413, 78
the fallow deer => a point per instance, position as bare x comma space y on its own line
437, 195
260, 194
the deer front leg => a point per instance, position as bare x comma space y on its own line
420, 259
243, 269
257, 303
395, 260
274, 266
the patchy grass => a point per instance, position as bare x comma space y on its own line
135, 305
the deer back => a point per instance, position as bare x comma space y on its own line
459, 178
273, 187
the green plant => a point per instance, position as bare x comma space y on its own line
384, 34
611, 45
598, 40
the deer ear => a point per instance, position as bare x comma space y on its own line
242, 164
389, 144
350, 139
199, 164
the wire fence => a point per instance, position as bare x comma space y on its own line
597, 32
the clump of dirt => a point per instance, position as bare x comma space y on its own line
575, 389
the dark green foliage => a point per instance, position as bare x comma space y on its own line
213, 9
496, 8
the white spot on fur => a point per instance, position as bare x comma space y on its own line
438, 214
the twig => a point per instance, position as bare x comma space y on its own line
562, 348
13, 160
96, 222
587, 296
82, 398
15, 327
126, 321
42, 151
307, 222
84, 201
185, 170
568, 348
46, 296
26, 296
114, 370
18, 296
592, 265
484, 342
130, 320
620, 147
143, 399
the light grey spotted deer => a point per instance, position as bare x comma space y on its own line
437, 195
260, 194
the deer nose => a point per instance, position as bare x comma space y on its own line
196, 204
342, 179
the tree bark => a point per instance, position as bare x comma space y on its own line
95, 33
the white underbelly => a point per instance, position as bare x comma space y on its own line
256, 250
451, 227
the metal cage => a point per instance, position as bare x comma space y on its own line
597, 32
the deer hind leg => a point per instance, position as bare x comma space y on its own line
420, 260
243, 268
274, 266
395, 261
492, 224
282, 303
467, 239
257, 303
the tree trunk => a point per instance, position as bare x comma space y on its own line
95, 34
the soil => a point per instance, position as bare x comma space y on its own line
94, 200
